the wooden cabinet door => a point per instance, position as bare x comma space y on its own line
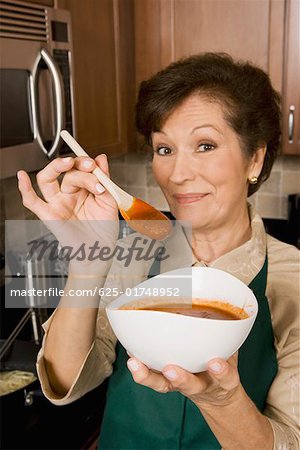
291, 83
246, 29
103, 73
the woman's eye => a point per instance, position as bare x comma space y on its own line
206, 147
163, 151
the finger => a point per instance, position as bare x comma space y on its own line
75, 180
47, 177
187, 383
102, 162
29, 197
224, 373
144, 376
85, 164
233, 360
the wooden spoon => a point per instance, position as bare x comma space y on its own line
140, 216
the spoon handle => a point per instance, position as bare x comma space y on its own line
123, 199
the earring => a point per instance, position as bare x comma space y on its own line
253, 180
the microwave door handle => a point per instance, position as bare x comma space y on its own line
33, 104
58, 100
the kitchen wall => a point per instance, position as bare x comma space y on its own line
133, 172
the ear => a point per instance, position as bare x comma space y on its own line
256, 162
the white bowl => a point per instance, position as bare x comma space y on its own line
160, 338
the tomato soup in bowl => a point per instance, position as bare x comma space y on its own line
210, 316
197, 308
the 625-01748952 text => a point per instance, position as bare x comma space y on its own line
108, 292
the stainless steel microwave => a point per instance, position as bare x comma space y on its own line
36, 90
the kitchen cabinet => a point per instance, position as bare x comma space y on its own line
265, 32
166, 30
119, 43
103, 74
291, 85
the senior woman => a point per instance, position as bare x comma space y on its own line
214, 127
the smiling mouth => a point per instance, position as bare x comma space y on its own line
188, 198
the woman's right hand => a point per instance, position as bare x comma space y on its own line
74, 210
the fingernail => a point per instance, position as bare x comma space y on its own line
215, 367
67, 159
18, 175
133, 365
87, 164
171, 374
100, 188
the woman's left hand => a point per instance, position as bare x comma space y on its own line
215, 387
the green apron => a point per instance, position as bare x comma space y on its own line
137, 417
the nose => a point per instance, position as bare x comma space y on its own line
182, 169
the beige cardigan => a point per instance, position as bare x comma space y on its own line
244, 262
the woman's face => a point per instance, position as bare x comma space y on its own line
199, 164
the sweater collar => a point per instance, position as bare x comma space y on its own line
244, 262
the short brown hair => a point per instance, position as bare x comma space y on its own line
252, 105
